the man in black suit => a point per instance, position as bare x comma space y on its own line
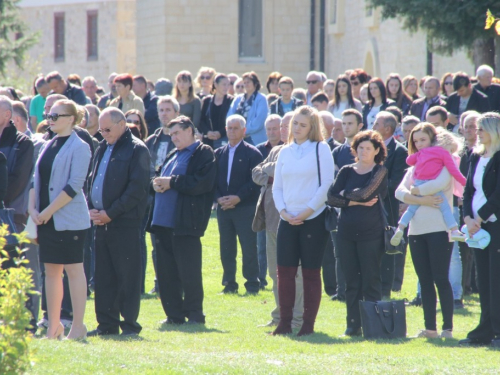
465, 98
484, 84
432, 98
237, 196
385, 124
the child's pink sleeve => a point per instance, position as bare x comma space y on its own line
412, 159
449, 163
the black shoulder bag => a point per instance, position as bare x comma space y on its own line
331, 215
389, 232
383, 320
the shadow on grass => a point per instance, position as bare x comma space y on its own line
122, 338
189, 328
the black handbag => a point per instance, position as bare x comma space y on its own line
383, 320
389, 232
7, 217
331, 215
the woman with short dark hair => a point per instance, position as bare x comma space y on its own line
252, 105
357, 191
272, 83
126, 99
377, 102
214, 109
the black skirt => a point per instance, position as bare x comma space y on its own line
60, 247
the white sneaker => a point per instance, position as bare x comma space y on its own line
43, 323
427, 334
396, 239
446, 334
66, 323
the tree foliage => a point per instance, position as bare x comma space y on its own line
14, 39
449, 24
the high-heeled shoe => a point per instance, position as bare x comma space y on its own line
79, 336
59, 333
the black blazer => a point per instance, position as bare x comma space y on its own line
417, 108
208, 123
493, 93
491, 187
477, 102
396, 166
246, 158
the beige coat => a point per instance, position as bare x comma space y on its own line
132, 101
266, 215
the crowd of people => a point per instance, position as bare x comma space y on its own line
94, 172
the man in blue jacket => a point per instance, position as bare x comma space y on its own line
237, 196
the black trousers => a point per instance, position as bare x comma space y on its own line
237, 223
117, 278
179, 262
304, 244
431, 255
328, 266
488, 277
339, 274
360, 262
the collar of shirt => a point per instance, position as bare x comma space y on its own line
433, 100
387, 141
231, 148
301, 150
28, 133
191, 147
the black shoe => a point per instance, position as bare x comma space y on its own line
129, 333
458, 304
228, 290
417, 301
98, 332
252, 292
396, 289
475, 342
173, 321
353, 332
336, 297
192, 321
496, 342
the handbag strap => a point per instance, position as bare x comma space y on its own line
383, 320
317, 163
383, 212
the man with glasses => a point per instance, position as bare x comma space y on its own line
117, 202
314, 81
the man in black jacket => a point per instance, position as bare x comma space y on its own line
59, 85
140, 88
180, 215
385, 124
432, 98
237, 196
484, 84
117, 200
465, 98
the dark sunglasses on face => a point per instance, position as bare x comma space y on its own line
448, 83
135, 122
354, 83
54, 116
205, 77
312, 82
239, 87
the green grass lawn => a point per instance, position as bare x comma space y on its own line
231, 342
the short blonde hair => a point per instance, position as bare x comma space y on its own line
70, 108
314, 120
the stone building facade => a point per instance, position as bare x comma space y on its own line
158, 38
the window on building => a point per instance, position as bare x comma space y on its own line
333, 12
59, 36
92, 41
250, 29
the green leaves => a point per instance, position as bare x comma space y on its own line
490, 20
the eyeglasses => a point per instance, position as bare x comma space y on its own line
205, 77
107, 131
312, 82
135, 122
355, 83
239, 87
480, 130
448, 83
55, 116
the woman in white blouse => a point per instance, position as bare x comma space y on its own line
482, 211
304, 172
343, 97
